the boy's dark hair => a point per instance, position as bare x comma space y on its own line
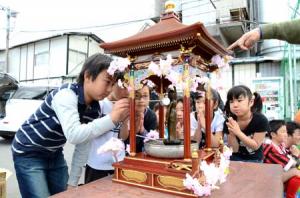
274, 126
119, 75
291, 127
242, 90
94, 65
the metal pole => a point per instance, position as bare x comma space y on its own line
8, 13
292, 112
295, 80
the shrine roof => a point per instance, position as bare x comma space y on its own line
168, 34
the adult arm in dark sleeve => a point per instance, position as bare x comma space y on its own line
288, 31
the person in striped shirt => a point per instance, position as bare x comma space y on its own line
276, 153
69, 113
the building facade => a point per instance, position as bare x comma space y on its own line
52, 60
270, 61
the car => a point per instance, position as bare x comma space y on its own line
8, 85
21, 104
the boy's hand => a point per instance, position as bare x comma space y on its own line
120, 110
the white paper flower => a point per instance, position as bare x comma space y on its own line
163, 68
128, 148
189, 182
174, 77
153, 67
194, 185
166, 65
201, 190
113, 145
152, 135
118, 64
222, 62
223, 169
112, 68
122, 63
120, 83
211, 173
150, 84
227, 152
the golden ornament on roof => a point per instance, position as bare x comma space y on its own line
169, 6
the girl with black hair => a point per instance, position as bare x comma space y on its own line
246, 127
198, 119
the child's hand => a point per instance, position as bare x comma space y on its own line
233, 126
179, 130
120, 110
139, 122
201, 120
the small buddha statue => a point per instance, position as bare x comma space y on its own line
171, 121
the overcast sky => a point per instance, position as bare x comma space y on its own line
35, 17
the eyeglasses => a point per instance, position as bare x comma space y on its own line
145, 97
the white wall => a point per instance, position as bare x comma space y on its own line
23, 62
226, 82
78, 52
58, 56
2, 60
78, 43
14, 63
203, 11
244, 74
23, 65
94, 47
30, 61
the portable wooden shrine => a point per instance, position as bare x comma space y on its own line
191, 47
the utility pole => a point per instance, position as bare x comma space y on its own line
9, 14
7, 40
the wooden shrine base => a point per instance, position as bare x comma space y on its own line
246, 180
156, 173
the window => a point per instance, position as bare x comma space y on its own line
76, 60
41, 59
2, 65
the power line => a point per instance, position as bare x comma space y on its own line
89, 27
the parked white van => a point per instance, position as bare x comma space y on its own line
22, 103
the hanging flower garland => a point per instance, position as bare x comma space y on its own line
164, 68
